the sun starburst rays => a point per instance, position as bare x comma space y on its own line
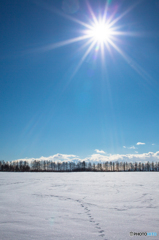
84, 57
101, 32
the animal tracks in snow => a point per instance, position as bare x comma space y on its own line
85, 210
92, 219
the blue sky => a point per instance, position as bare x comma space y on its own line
108, 105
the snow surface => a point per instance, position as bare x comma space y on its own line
81, 205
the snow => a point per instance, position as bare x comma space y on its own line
79, 205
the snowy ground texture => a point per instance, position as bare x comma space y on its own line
81, 205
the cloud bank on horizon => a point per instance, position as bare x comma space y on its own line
97, 157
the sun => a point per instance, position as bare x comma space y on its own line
100, 32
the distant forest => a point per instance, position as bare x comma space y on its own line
49, 166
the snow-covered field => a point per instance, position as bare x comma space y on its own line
81, 205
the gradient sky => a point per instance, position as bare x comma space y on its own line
108, 105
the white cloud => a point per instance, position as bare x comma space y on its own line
99, 151
140, 143
153, 144
136, 151
132, 147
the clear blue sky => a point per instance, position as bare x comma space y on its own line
105, 105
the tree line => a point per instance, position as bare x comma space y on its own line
49, 166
